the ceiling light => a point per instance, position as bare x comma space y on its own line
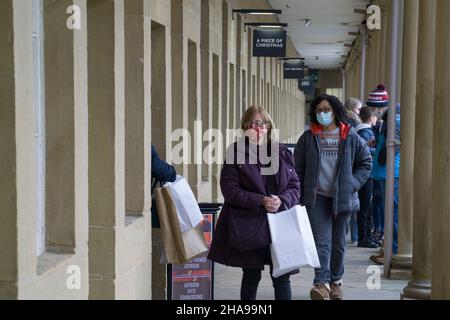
270, 27
297, 58
263, 13
256, 11
267, 25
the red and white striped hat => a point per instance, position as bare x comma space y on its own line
378, 98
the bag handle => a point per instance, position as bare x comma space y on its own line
155, 184
284, 205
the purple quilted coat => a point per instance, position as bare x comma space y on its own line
243, 188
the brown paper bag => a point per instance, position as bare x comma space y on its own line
179, 247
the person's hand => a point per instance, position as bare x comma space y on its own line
272, 204
266, 202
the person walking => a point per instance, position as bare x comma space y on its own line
332, 163
352, 109
253, 187
380, 99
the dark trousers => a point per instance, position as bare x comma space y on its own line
250, 282
364, 216
378, 207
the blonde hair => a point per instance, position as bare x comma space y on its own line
251, 112
351, 104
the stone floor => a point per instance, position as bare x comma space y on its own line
358, 270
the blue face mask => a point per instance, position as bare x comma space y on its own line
325, 118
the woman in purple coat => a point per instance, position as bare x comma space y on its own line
258, 177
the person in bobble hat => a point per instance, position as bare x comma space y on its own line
379, 99
378, 102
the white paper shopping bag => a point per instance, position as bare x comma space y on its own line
293, 243
189, 213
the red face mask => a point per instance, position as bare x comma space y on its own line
258, 132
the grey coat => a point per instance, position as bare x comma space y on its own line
354, 167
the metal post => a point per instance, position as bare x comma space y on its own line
391, 143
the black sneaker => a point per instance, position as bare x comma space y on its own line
367, 244
374, 241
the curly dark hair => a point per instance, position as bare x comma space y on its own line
336, 105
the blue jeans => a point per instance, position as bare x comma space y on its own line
383, 188
378, 207
353, 228
329, 235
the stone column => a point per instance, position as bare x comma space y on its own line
106, 142
206, 79
370, 74
15, 115
216, 110
161, 118
351, 86
137, 111
363, 61
387, 45
358, 74
177, 72
225, 71
408, 101
376, 49
420, 285
440, 200
383, 45
238, 83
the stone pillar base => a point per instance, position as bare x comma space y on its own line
417, 290
403, 262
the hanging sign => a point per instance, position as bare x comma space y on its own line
294, 70
269, 43
307, 86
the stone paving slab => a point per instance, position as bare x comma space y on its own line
227, 280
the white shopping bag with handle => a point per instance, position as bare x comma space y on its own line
293, 243
188, 211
